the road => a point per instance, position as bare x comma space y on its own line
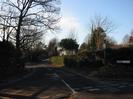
57, 83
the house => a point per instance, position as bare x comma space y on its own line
61, 51
131, 40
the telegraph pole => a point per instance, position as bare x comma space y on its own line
104, 47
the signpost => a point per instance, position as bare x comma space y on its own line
123, 61
104, 47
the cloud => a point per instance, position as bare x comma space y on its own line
69, 23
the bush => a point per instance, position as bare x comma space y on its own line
8, 63
84, 62
71, 61
36, 55
83, 52
124, 54
112, 55
81, 62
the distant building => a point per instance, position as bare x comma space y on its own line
118, 46
61, 51
130, 43
131, 40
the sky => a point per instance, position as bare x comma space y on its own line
76, 15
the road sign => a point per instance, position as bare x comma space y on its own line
123, 61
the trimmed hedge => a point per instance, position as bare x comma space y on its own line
70, 61
57, 60
81, 62
112, 55
88, 59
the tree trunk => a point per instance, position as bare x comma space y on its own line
19, 54
18, 34
18, 38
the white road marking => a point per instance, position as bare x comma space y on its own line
73, 91
94, 89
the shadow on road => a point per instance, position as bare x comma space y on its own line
44, 83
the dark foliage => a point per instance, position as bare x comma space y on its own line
69, 44
70, 61
8, 63
38, 55
112, 55
82, 61
86, 59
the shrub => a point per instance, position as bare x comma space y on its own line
81, 62
36, 55
124, 54
83, 52
112, 55
87, 59
71, 61
84, 62
8, 63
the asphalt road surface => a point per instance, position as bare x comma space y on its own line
57, 83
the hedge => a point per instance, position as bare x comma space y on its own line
57, 60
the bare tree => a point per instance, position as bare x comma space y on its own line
131, 33
73, 34
5, 24
29, 38
126, 39
100, 27
39, 13
104, 22
52, 47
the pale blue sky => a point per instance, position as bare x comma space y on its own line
77, 14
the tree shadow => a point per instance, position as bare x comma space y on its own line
34, 85
41, 84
